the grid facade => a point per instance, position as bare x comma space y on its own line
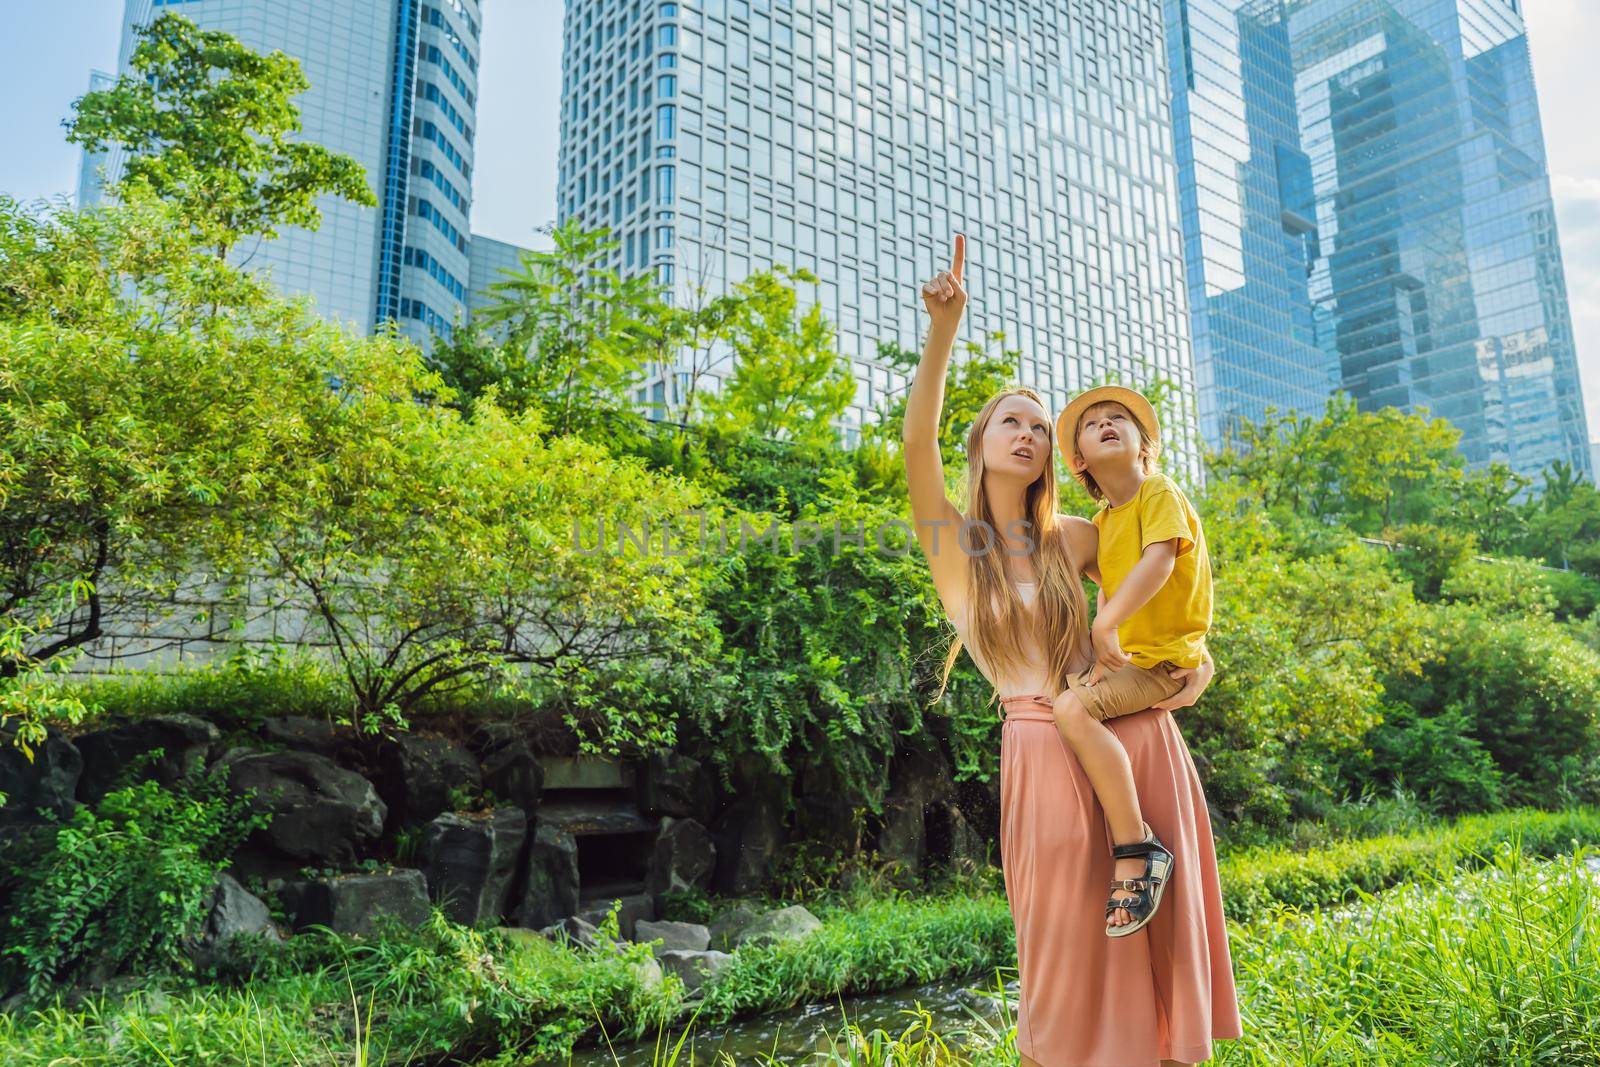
1249, 227
717, 138
1438, 281
393, 85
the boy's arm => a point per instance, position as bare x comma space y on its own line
1143, 581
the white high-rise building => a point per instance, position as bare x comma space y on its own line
720, 137
394, 85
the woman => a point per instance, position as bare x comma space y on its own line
1012, 586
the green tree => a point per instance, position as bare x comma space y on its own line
437, 552
150, 396
569, 334
789, 382
207, 125
1364, 470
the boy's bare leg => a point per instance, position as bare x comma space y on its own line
1106, 763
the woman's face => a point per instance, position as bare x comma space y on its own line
1016, 443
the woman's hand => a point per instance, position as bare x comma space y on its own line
1195, 680
944, 296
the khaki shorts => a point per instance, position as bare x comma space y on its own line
1124, 691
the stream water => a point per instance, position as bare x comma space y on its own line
793, 1036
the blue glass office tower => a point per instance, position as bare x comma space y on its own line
1249, 228
1437, 280
719, 137
394, 85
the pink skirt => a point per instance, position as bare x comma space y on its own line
1088, 1000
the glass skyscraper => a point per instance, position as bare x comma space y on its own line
393, 84
1249, 227
720, 137
1437, 279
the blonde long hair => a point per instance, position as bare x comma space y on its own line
996, 615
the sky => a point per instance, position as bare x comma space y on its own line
45, 59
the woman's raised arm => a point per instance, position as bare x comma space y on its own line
937, 521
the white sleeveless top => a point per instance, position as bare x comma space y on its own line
1035, 679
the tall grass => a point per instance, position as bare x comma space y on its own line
508, 999
1495, 966
1498, 966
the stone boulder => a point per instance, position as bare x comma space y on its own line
695, 969
676, 786
633, 908
48, 781
354, 903
184, 740
902, 837
321, 813
748, 836
581, 933
550, 878
684, 857
303, 733
727, 928
416, 775
471, 861
512, 773
674, 936
232, 911
785, 924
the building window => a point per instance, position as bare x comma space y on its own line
666, 121
666, 86
664, 185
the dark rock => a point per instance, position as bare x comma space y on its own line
921, 780
922, 774
785, 924
512, 773
550, 880
902, 838
575, 931
183, 739
320, 811
471, 861
748, 837
353, 903
490, 735
232, 912
695, 969
674, 936
670, 784
48, 781
729, 926
684, 857
418, 773
630, 910
965, 844
302, 733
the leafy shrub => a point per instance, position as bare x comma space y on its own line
1524, 689
1434, 756
120, 885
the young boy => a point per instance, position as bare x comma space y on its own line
1154, 609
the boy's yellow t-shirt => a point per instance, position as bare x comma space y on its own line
1172, 624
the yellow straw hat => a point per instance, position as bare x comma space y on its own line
1067, 423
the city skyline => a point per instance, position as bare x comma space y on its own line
510, 201
727, 137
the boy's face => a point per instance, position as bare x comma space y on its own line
1108, 434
